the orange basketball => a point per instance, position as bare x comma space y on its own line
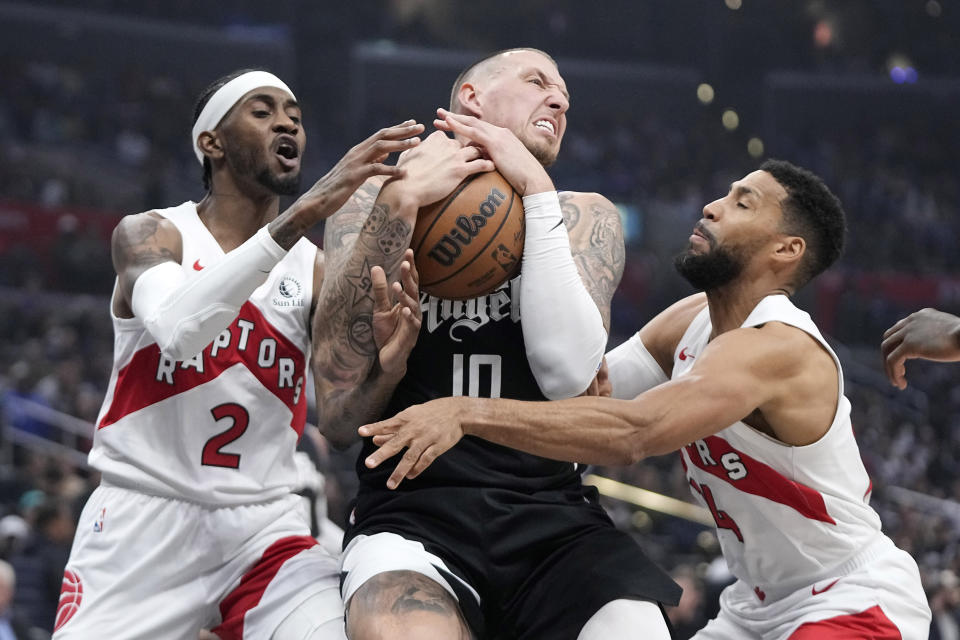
468, 243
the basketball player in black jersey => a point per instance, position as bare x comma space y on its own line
490, 542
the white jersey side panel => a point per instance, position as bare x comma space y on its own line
219, 428
785, 515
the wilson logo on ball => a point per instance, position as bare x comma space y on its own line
470, 242
465, 230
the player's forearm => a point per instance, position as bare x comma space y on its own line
564, 346
599, 430
341, 408
343, 324
589, 429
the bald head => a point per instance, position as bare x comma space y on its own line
486, 67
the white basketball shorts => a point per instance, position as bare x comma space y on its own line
881, 598
151, 567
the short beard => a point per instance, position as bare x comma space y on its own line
282, 185
711, 270
245, 162
544, 154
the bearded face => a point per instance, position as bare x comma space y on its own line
712, 269
247, 160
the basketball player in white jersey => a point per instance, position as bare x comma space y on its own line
493, 542
744, 385
927, 334
194, 524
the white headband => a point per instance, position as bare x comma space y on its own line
226, 96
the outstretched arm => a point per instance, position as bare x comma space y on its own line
776, 370
182, 312
345, 352
928, 334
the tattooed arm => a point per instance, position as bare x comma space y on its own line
352, 386
139, 242
353, 379
596, 240
565, 345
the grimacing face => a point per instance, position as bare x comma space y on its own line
524, 92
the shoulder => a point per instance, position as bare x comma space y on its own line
663, 333
584, 198
774, 350
590, 217
587, 201
143, 225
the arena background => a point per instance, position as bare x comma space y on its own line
671, 101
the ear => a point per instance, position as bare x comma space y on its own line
789, 249
470, 100
209, 143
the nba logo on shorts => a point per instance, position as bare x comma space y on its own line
71, 593
98, 525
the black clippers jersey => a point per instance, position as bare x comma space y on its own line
470, 348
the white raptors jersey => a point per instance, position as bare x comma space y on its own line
219, 428
786, 516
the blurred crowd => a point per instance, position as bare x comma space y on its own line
129, 131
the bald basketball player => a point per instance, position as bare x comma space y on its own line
490, 542
745, 386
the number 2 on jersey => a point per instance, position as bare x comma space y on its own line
475, 364
212, 454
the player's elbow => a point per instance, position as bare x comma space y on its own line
178, 345
558, 387
560, 376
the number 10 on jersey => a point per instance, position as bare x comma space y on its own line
481, 367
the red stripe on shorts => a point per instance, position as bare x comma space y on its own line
254, 582
872, 623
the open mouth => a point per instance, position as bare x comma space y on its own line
288, 151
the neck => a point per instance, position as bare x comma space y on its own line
732, 303
233, 216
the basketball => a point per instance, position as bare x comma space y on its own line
470, 242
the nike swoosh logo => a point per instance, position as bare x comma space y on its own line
197, 266
815, 592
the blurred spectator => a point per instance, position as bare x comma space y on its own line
12, 627
41, 561
944, 596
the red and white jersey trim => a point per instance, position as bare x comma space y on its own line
786, 515
219, 428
